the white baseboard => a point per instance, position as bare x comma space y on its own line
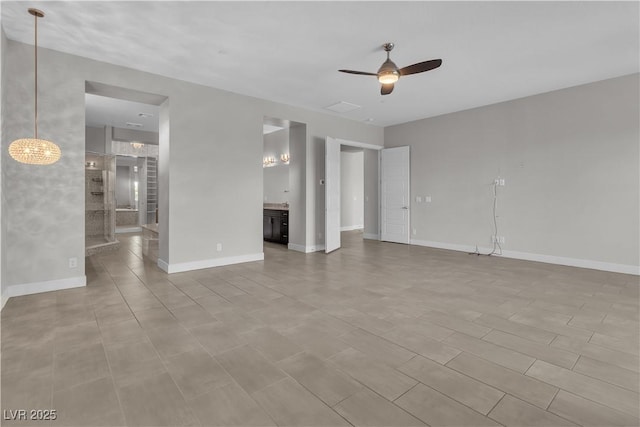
450, 246
306, 249
39, 287
549, 259
351, 227
208, 263
371, 236
163, 265
297, 248
575, 262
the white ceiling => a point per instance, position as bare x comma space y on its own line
290, 51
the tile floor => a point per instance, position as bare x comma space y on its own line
376, 334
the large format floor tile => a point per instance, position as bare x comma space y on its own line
374, 334
290, 404
366, 408
436, 409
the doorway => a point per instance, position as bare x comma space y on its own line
351, 189
123, 126
284, 149
364, 166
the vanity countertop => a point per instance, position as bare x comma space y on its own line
276, 206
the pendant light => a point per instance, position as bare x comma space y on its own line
35, 151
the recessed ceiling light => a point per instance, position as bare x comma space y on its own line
145, 115
134, 125
342, 107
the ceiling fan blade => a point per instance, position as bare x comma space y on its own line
386, 89
420, 67
362, 73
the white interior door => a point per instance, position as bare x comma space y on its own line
332, 195
394, 195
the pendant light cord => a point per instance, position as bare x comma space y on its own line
35, 49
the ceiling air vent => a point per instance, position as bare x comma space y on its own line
342, 107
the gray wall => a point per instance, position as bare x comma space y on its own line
210, 165
351, 190
297, 186
3, 107
570, 161
371, 190
94, 138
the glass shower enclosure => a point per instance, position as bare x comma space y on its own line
100, 208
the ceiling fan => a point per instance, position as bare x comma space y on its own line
389, 73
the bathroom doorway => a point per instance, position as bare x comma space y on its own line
124, 134
284, 154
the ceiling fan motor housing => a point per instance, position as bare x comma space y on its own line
388, 72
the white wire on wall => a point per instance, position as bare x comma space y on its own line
497, 249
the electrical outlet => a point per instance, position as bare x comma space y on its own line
427, 199
219, 247
418, 199
415, 231
499, 182
73, 262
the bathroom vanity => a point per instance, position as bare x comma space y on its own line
275, 223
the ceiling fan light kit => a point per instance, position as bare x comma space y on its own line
389, 73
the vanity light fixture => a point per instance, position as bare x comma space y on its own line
268, 161
137, 145
285, 158
35, 151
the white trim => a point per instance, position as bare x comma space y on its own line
449, 246
549, 259
163, 265
297, 248
305, 249
575, 262
352, 227
371, 236
46, 286
208, 263
358, 144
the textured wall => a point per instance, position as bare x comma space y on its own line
94, 138
44, 205
570, 161
210, 165
3, 106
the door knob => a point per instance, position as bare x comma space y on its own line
405, 207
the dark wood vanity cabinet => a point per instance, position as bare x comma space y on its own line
275, 226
